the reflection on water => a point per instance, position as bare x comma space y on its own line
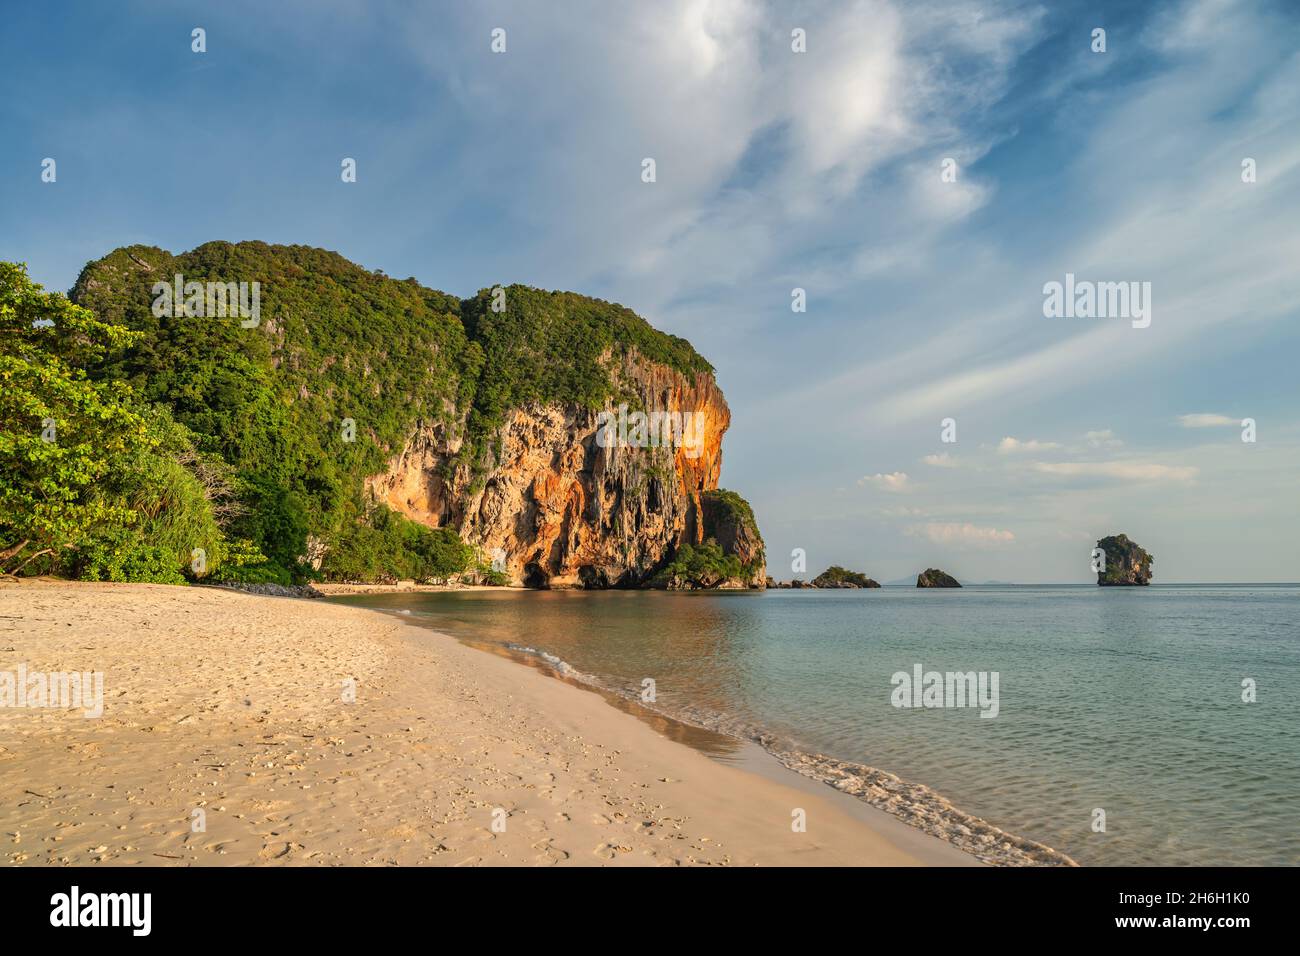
1128, 700
717, 745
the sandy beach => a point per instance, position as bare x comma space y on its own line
228, 737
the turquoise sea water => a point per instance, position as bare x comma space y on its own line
1127, 700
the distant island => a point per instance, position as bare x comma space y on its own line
838, 577
1126, 563
934, 578
832, 578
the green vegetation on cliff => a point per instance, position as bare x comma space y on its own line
727, 510
277, 425
95, 482
704, 567
1126, 562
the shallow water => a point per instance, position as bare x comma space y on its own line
1119, 699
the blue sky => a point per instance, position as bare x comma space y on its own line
775, 170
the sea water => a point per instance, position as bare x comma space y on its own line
1156, 725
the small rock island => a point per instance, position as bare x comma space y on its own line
833, 577
838, 577
934, 578
1127, 563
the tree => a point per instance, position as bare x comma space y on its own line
59, 432
93, 483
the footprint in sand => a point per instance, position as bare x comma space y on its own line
549, 855
610, 851
219, 846
278, 851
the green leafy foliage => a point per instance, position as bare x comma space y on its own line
705, 566
488, 575
93, 482
338, 343
388, 547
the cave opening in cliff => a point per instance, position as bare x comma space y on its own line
593, 579
535, 576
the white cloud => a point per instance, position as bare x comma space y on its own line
894, 481
1206, 420
941, 460
1123, 470
762, 153
965, 534
1192, 122
1009, 445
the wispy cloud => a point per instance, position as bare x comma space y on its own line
953, 534
1103, 438
904, 511
894, 481
1206, 420
941, 460
1122, 470
1011, 445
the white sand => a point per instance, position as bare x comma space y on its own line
233, 704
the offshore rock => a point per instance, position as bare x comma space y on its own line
1127, 564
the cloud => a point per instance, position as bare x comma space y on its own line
1206, 420
1105, 438
942, 460
763, 154
894, 481
965, 534
1123, 470
1160, 225
1009, 445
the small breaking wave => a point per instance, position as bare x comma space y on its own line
913, 803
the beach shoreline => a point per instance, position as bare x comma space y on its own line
230, 709
331, 589
916, 805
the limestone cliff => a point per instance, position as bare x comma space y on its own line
559, 507
344, 390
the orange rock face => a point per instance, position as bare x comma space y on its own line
563, 506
